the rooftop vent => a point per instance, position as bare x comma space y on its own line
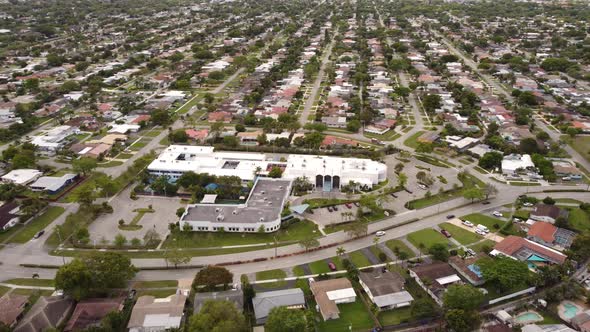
220, 217
217, 209
235, 212
261, 219
263, 192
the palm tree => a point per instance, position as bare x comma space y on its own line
340, 251
375, 241
402, 256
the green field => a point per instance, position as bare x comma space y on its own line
395, 316
321, 266
271, 274
482, 219
579, 219
293, 233
5, 235
353, 317
478, 247
462, 235
582, 145
412, 141
392, 244
155, 284
428, 237
469, 181
37, 224
359, 259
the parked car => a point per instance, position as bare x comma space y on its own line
330, 209
393, 195
480, 232
409, 191
357, 204
38, 235
335, 208
486, 202
380, 233
467, 223
348, 205
332, 266
470, 252
528, 204
497, 214
517, 220
421, 186
445, 233
450, 216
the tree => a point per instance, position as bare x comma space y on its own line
151, 238
402, 180
231, 141
275, 172
85, 194
179, 136
353, 126
490, 190
548, 201
74, 279
463, 297
95, 273
439, 252
572, 131
340, 251
309, 243
473, 194
160, 118
180, 211
84, 165
107, 185
218, 316
177, 256
356, 229
504, 273
212, 276
282, 319
120, 240
423, 308
491, 160
461, 321
431, 102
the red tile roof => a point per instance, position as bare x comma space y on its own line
543, 230
511, 244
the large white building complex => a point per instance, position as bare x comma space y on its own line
262, 210
326, 172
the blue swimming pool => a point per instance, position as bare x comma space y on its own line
475, 269
528, 317
570, 310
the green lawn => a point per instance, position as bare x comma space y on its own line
359, 259
376, 251
4, 290
152, 133
462, 235
124, 155
37, 224
353, 317
271, 274
522, 214
298, 271
579, 219
412, 141
30, 282
157, 293
5, 235
112, 163
392, 244
321, 202
293, 233
469, 181
155, 284
478, 247
395, 316
434, 161
428, 237
582, 145
321, 266
482, 219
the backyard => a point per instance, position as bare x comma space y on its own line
353, 317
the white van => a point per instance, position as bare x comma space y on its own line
483, 228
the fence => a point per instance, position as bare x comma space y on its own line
509, 296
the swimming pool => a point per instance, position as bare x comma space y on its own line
475, 269
528, 317
570, 310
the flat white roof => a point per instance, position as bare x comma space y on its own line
448, 279
339, 294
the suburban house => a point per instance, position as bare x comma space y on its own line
513, 163
152, 314
329, 293
53, 140
264, 302
435, 278
235, 296
53, 184
12, 307
9, 215
468, 269
22, 176
385, 289
549, 235
547, 213
550, 328
46, 313
90, 313
528, 251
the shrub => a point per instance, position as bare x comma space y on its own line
382, 257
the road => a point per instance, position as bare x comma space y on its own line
34, 253
316, 84
555, 136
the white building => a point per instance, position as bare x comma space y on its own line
261, 211
22, 176
514, 162
53, 140
324, 172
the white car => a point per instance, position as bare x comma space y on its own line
517, 220
380, 233
480, 232
527, 204
467, 223
421, 186
497, 214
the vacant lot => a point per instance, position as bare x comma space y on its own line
462, 235
427, 237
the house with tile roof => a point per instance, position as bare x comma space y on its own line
329, 293
551, 236
12, 307
91, 312
547, 213
385, 289
264, 302
434, 278
524, 250
46, 313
